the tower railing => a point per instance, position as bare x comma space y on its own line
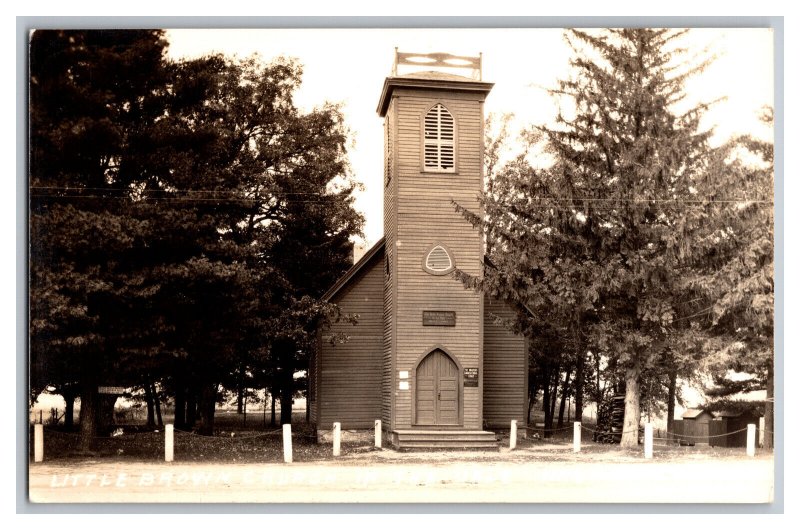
440, 60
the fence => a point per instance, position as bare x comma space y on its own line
170, 434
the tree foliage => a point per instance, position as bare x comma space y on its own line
185, 215
736, 275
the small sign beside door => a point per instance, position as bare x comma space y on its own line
470, 377
403, 385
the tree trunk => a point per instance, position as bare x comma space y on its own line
308, 393
533, 390
769, 411
531, 402
191, 406
106, 412
148, 396
272, 417
580, 359
286, 400
630, 426
553, 396
548, 418
285, 350
157, 406
563, 402
180, 404
69, 410
208, 403
88, 417
599, 395
240, 389
673, 386
264, 410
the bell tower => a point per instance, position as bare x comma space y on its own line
433, 327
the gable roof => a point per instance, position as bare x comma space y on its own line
352, 271
736, 413
694, 413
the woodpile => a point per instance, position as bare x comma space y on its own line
610, 417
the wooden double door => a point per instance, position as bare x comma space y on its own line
437, 397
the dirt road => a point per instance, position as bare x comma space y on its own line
441, 480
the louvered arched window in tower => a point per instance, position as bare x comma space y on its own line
439, 140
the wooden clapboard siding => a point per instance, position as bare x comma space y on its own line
505, 369
349, 374
390, 282
311, 397
422, 214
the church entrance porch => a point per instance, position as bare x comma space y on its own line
433, 438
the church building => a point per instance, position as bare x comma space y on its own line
427, 356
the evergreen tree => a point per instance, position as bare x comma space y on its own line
90, 94
736, 274
639, 162
595, 245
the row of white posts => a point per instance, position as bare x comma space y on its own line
648, 438
337, 440
169, 440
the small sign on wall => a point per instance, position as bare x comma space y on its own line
470, 377
402, 374
439, 318
403, 385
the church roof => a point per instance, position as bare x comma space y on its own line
352, 271
368, 256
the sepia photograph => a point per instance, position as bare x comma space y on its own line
401, 265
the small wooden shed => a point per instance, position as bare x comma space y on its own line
693, 427
733, 423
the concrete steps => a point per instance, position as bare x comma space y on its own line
424, 439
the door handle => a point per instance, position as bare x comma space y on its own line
439, 396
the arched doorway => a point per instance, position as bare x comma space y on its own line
437, 390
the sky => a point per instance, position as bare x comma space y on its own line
348, 66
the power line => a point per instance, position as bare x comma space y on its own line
333, 193
134, 191
174, 199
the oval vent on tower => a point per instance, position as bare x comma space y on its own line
438, 260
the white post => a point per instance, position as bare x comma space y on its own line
751, 439
512, 437
169, 442
576, 437
287, 443
38, 442
648, 440
337, 438
378, 442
